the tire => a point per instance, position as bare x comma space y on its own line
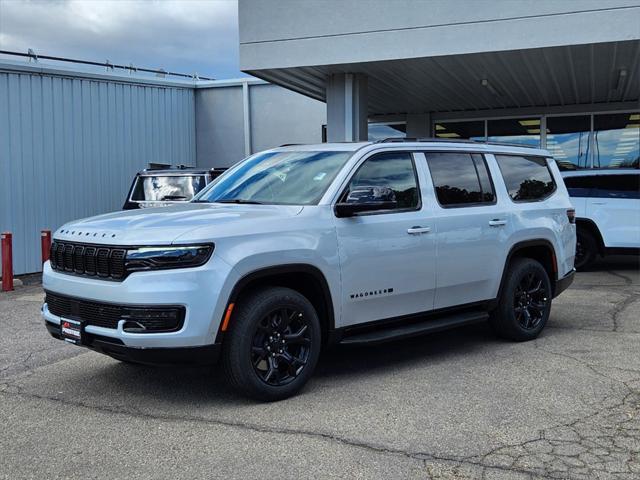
586, 249
525, 302
273, 344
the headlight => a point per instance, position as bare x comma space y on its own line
160, 258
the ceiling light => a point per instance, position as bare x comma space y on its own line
633, 125
635, 116
447, 135
622, 76
533, 130
440, 127
485, 83
529, 123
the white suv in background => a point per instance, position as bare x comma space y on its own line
302, 247
607, 204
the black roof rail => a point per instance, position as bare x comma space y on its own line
451, 140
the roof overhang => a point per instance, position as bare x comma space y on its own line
595, 73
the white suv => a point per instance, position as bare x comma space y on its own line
301, 247
607, 206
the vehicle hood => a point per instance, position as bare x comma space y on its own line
163, 225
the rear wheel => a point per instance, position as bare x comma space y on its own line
586, 249
525, 302
273, 344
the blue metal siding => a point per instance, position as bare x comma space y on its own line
69, 148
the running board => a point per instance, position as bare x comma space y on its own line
396, 332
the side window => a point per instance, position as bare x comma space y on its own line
460, 179
580, 186
617, 186
527, 178
390, 174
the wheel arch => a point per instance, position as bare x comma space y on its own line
591, 227
541, 250
306, 279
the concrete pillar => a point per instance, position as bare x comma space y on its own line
347, 107
418, 125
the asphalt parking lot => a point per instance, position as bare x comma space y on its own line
458, 404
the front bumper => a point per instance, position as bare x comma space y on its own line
201, 355
202, 291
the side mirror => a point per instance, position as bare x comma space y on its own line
366, 199
350, 209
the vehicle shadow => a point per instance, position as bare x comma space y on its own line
615, 262
207, 385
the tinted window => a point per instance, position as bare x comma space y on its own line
392, 171
460, 179
580, 186
617, 186
167, 188
526, 178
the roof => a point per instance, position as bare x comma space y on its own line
599, 171
174, 171
420, 144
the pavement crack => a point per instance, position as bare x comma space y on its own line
620, 307
372, 447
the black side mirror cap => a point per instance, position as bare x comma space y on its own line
343, 210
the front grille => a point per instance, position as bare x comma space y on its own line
91, 260
139, 319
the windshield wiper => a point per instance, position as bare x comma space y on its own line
238, 200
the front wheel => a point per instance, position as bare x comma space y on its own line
273, 344
525, 303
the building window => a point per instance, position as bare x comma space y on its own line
523, 131
616, 140
380, 131
466, 130
569, 141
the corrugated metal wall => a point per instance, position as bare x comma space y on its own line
69, 148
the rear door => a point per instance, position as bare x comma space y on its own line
614, 206
472, 228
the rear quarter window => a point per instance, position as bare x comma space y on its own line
528, 179
617, 186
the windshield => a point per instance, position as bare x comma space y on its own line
287, 178
167, 188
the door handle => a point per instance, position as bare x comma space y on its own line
417, 230
496, 222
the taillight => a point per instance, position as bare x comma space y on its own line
571, 215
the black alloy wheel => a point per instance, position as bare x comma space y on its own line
525, 301
281, 346
530, 301
273, 343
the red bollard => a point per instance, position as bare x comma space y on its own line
45, 242
7, 262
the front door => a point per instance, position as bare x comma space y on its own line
387, 258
